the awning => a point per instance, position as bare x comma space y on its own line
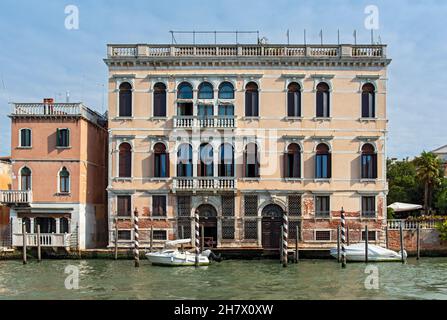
400, 207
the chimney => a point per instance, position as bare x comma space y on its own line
48, 101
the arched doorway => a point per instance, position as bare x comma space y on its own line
272, 219
208, 218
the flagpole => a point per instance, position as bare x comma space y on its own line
338, 36
304, 36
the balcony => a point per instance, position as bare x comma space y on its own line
16, 197
216, 122
46, 240
48, 110
241, 50
204, 184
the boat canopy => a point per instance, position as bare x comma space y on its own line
401, 207
177, 242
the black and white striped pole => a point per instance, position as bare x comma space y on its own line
343, 239
136, 240
197, 237
285, 236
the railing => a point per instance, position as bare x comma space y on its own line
46, 239
205, 183
16, 197
54, 109
411, 224
204, 122
316, 51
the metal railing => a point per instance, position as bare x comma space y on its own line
16, 197
245, 50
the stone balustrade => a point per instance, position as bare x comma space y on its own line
204, 183
204, 122
9, 197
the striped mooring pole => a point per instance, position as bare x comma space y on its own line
197, 238
285, 236
343, 239
136, 240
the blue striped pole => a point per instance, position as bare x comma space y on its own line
343, 239
197, 237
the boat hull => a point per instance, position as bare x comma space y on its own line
176, 259
356, 253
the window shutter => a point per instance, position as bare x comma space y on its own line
374, 164
248, 104
255, 106
58, 137
329, 165
319, 104
168, 163
290, 104
68, 137
365, 105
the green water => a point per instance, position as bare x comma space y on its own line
258, 279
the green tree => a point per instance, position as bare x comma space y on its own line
402, 183
429, 174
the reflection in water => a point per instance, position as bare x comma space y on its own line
258, 279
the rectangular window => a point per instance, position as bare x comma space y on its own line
293, 104
228, 206
226, 110
124, 235
293, 224
159, 206
63, 138
369, 166
25, 138
251, 205
371, 236
184, 206
323, 235
369, 207
160, 235
184, 109
124, 206
251, 229
294, 203
228, 229
184, 228
323, 163
322, 208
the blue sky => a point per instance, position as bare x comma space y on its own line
40, 58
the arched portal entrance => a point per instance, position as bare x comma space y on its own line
208, 218
272, 219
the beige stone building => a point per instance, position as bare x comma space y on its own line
244, 134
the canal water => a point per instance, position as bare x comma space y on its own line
231, 279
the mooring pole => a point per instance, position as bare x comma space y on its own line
401, 242
116, 238
297, 240
202, 238
366, 243
347, 234
281, 251
285, 238
151, 239
338, 244
343, 239
24, 242
136, 240
386, 236
197, 235
39, 252
182, 235
418, 241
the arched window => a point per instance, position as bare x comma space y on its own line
125, 101
251, 100
292, 165
226, 90
206, 161
64, 181
323, 100
25, 138
125, 160
323, 162
368, 101
184, 160
226, 160
206, 91
25, 179
294, 100
369, 162
159, 100
184, 91
161, 161
64, 226
251, 161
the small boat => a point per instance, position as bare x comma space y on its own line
174, 257
356, 252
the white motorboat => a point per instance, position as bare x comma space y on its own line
356, 252
174, 257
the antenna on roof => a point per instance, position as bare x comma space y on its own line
67, 97
215, 33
